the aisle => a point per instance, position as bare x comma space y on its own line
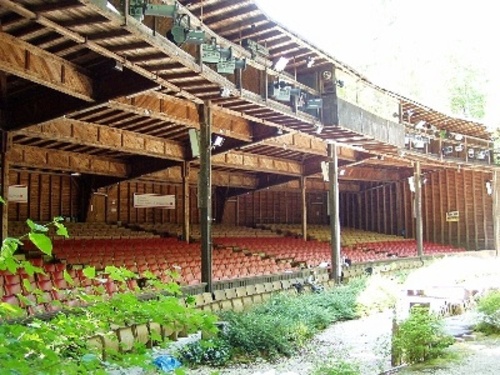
364, 341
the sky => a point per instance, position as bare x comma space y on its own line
404, 45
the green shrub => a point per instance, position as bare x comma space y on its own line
213, 352
489, 307
420, 338
286, 322
337, 368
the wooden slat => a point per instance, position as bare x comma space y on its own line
34, 64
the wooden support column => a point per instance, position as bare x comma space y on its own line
205, 193
333, 204
418, 209
4, 159
4, 189
186, 229
496, 209
304, 206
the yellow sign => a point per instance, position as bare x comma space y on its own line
452, 216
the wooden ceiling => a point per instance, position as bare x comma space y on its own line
79, 79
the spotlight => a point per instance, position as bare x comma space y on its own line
254, 48
225, 92
447, 150
140, 8
280, 90
481, 155
180, 34
420, 125
279, 131
218, 141
281, 64
212, 53
459, 148
310, 61
118, 66
229, 66
315, 103
471, 153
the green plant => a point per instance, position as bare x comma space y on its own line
341, 367
489, 308
212, 352
286, 322
60, 345
420, 338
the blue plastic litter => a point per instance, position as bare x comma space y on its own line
166, 363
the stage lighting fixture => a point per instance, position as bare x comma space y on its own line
254, 48
218, 141
140, 8
229, 66
181, 32
310, 61
212, 53
447, 150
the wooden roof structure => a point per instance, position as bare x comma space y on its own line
87, 88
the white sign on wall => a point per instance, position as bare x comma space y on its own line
18, 194
154, 200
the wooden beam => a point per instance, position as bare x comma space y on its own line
34, 157
27, 61
99, 136
368, 174
93, 46
251, 162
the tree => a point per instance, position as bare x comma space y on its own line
467, 98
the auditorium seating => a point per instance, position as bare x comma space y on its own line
234, 257
218, 230
85, 231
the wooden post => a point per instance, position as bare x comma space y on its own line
4, 159
334, 214
418, 209
186, 229
304, 206
4, 188
496, 210
205, 193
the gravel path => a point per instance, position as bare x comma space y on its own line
366, 341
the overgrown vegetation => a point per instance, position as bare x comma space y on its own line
60, 344
489, 308
283, 324
337, 368
420, 337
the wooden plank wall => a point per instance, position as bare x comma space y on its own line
49, 195
280, 207
385, 209
389, 209
375, 209
120, 200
